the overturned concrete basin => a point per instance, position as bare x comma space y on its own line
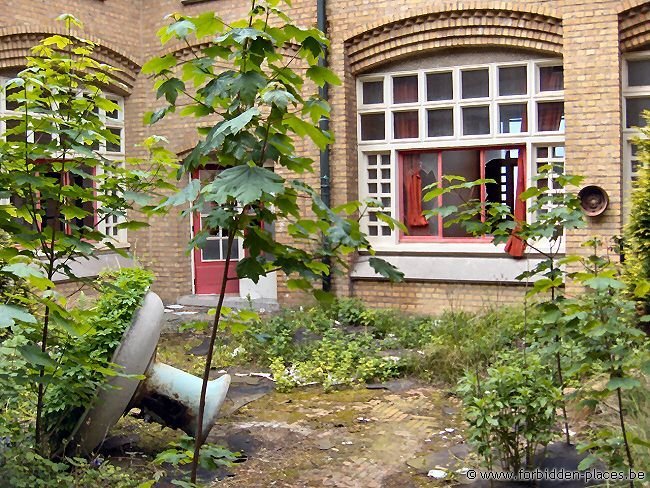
168, 395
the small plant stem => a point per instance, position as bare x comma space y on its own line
558, 361
621, 419
208, 360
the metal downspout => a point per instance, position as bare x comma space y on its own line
324, 124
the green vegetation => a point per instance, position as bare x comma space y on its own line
84, 365
511, 410
86, 359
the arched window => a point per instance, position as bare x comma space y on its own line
113, 121
494, 115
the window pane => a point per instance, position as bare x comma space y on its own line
513, 81
476, 120
115, 146
501, 166
467, 165
372, 127
12, 93
440, 122
419, 171
550, 116
13, 125
634, 107
475, 83
439, 86
513, 118
405, 89
406, 124
211, 250
373, 92
551, 78
638, 72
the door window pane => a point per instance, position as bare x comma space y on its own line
550, 116
439, 86
513, 118
638, 72
373, 92
475, 83
406, 125
211, 250
634, 107
373, 127
405, 89
551, 78
476, 120
513, 81
440, 122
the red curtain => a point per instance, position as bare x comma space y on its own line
551, 79
406, 125
413, 192
550, 115
515, 245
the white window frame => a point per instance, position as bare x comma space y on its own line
629, 134
529, 139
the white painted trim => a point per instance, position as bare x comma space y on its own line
478, 269
628, 134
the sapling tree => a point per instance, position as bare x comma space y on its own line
553, 213
57, 189
600, 321
604, 321
243, 81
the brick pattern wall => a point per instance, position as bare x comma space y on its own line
589, 34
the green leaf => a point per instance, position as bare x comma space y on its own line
179, 29
158, 65
245, 184
587, 462
9, 314
279, 98
530, 193
321, 75
187, 194
170, 89
34, 355
622, 383
60, 41
132, 225
247, 85
386, 269
604, 283
69, 212
207, 24
307, 129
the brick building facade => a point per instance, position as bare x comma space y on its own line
429, 87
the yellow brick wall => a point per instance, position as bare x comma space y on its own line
589, 34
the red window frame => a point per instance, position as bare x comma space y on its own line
403, 237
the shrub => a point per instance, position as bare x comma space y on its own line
637, 233
511, 411
337, 359
458, 341
85, 361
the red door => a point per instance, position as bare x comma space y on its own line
210, 258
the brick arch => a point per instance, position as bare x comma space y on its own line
634, 25
457, 25
16, 44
